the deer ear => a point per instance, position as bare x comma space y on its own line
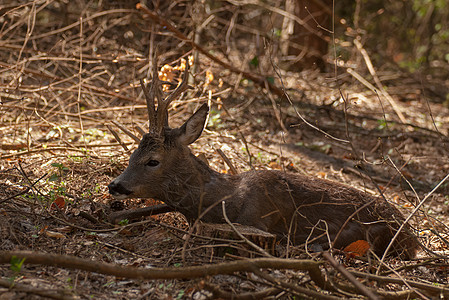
191, 130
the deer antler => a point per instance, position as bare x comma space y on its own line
158, 119
162, 107
149, 96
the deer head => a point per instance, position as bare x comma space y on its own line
163, 152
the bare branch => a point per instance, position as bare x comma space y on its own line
72, 262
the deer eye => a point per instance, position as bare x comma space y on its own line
152, 163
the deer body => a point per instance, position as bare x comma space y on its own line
294, 207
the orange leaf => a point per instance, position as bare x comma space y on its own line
348, 156
182, 65
357, 249
151, 201
321, 174
274, 165
396, 199
43, 229
166, 73
209, 77
58, 203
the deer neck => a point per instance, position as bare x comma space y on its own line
197, 187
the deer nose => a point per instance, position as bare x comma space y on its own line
116, 189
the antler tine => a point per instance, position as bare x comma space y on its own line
150, 106
162, 109
181, 88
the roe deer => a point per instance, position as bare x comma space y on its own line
288, 205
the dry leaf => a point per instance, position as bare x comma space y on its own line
396, 199
357, 249
166, 73
321, 174
209, 77
64, 229
43, 229
274, 165
182, 66
58, 203
53, 234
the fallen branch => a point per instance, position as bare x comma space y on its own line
138, 213
72, 262
125, 130
232, 169
441, 290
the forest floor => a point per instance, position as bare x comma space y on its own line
57, 157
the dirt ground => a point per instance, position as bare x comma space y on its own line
66, 84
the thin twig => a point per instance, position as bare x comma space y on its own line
373, 73
232, 169
409, 217
223, 207
25, 190
350, 277
117, 137
125, 130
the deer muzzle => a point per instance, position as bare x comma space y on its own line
118, 191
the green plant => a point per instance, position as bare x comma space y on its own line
381, 124
214, 119
60, 170
254, 62
75, 158
123, 222
180, 294
89, 192
16, 264
16, 267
